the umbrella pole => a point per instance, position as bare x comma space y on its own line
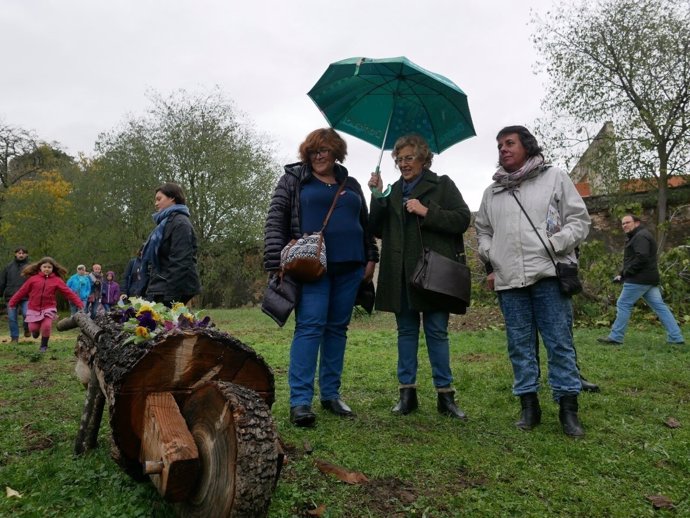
378, 166
383, 145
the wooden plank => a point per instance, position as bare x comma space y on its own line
168, 449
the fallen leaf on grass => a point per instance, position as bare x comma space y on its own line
319, 511
11, 493
349, 477
308, 449
660, 502
672, 422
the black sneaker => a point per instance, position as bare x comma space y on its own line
609, 341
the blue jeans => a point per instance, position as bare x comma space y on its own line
541, 307
652, 296
13, 315
321, 321
436, 335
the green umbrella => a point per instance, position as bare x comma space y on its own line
379, 100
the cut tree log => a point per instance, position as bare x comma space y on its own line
225, 390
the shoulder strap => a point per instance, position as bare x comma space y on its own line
330, 211
535, 228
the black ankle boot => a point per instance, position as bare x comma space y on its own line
531, 411
302, 416
44, 344
446, 405
568, 417
408, 401
587, 386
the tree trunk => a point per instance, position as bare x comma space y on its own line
662, 201
220, 457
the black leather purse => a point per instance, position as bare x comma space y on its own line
567, 273
438, 274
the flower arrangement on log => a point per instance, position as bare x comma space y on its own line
146, 320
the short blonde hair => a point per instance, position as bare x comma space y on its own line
420, 146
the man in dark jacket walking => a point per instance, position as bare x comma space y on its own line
640, 278
10, 282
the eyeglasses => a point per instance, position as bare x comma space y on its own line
405, 159
324, 151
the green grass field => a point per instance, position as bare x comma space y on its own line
417, 465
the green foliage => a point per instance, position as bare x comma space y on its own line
417, 465
625, 61
227, 171
597, 305
674, 268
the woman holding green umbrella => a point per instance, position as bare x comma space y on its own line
422, 207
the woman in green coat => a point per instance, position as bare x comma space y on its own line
422, 207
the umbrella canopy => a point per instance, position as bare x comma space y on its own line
379, 100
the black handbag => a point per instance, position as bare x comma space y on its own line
438, 274
366, 296
566, 273
280, 297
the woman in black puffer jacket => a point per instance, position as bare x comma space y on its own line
299, 205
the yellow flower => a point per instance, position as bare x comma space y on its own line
177, 306
145, 308
141, 331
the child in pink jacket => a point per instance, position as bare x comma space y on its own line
43, 283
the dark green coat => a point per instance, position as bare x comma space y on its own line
442, 230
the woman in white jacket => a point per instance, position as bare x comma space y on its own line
523, 272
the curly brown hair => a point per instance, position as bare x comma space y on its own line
34, 268
323, 137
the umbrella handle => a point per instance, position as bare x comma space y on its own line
375, 191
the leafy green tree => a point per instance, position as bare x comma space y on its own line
202, 143
625, 61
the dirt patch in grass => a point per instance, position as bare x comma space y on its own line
478, 358
477, 318
35, 440
384, 497
42, 382
17, 368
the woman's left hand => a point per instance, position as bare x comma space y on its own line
415, 206
369, 272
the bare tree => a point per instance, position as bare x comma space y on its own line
625, 61
15, 143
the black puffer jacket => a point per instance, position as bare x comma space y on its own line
12, 279
639, 258
283, 219
176, 278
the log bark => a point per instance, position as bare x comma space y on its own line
178, 362
238, 451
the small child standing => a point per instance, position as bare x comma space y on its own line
43, 283
111, 291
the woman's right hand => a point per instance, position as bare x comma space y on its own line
375, 182
490, 280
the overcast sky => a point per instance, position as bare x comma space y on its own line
75, 68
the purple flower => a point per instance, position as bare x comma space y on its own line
203, 323
146, 320
124, 316
183, 322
